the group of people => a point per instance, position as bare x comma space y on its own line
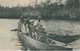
32, 27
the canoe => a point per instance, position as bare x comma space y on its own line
31, 43
64, 38
35, 44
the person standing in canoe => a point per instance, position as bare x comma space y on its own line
21, 22
27, 23
39, 18
39, 27
38, 21
32, 29
21, 19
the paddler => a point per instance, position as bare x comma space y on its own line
27, 23
32, 29
39, 26
21, 19
39, 18
21, 22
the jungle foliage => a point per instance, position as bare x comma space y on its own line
47, 10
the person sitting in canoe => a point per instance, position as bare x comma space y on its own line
39, 26
32, 31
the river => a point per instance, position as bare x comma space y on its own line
62, 27
10, 41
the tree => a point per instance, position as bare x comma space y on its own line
72, 3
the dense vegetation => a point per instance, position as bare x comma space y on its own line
47, 10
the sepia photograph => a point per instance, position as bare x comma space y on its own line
40, 25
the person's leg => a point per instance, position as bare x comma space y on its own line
20, 24
25, 25
29, 30
36, 35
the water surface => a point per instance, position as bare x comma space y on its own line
9, 39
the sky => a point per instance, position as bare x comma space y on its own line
13, 3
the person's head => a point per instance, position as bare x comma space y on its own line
21, 17
32, 22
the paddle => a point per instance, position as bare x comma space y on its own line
16, 29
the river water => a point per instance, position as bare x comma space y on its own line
10, 41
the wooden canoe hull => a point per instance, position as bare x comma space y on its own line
34, 44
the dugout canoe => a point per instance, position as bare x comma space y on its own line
35, 44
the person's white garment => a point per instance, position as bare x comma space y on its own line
36, 22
